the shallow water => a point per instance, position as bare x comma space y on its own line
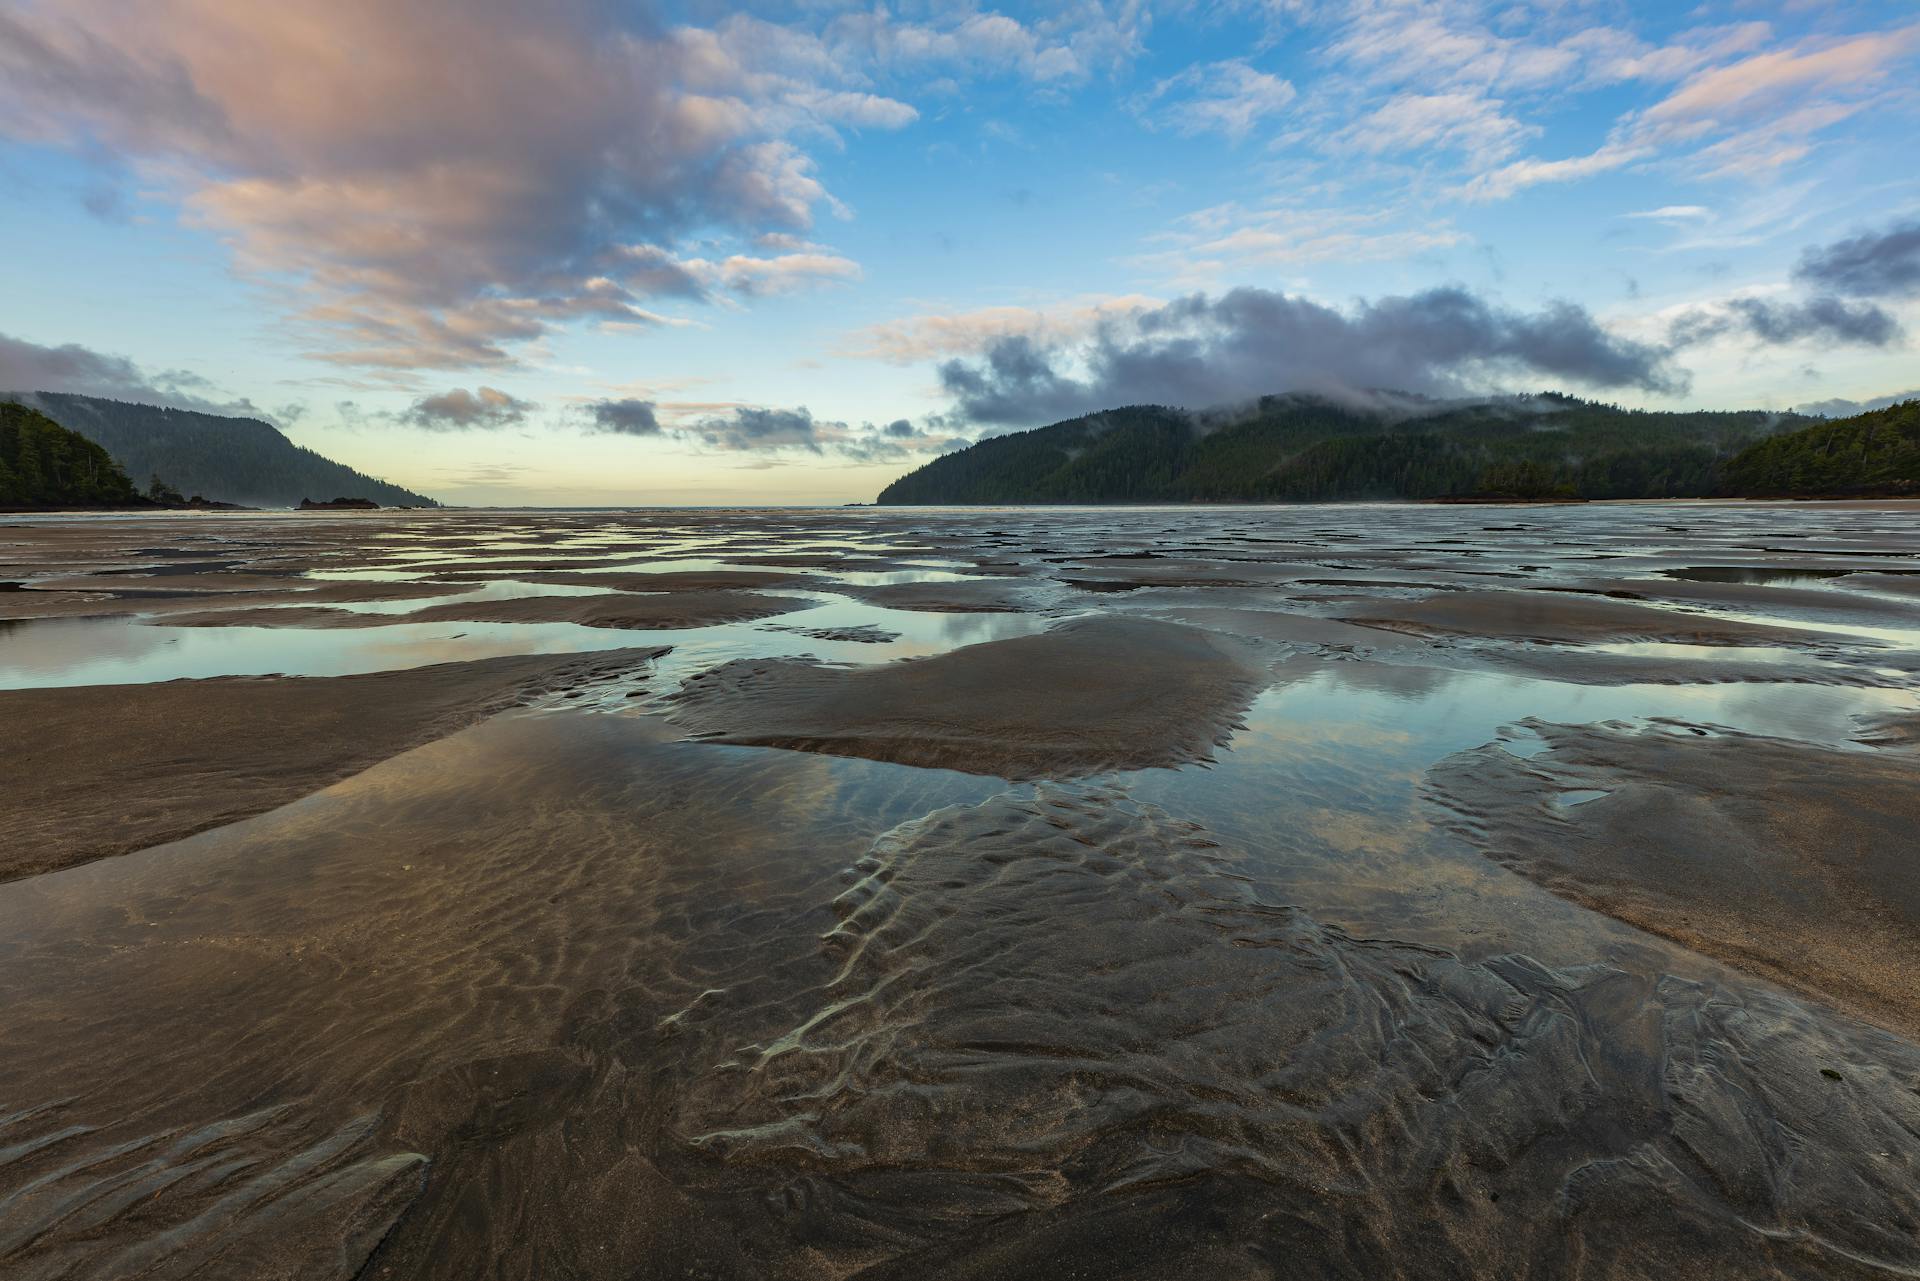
566, 994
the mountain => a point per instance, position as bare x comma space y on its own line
1875, 453
42, 464
1307, 448
236, 460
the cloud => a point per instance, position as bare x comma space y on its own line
1065, 49
1745, 118
1823, 319
1470, 123
917, 339
435, 184
624, 417
1877, 264
463, 410
1228, 98
897, 441
1498, 184
754, 429
1230, 239
71, 368
1757, 86
770, 432
785, 274
1842, 408
1200, 350
1674, 215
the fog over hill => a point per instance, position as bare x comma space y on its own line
1307, 447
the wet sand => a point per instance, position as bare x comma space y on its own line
1084, 698
1539, 616
103, 770
1369, 892
623, 611
1799, 862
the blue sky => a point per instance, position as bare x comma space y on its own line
586, 252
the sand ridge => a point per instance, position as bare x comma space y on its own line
1085, 697
104, 770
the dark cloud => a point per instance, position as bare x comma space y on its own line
1199, 351
752, 429
1876, 264
1823, 319
771, 432
624, 417
29, 367
463, 410
898, 441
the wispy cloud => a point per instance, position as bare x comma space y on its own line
934, 335
1674, 215
1746, 118
1210, 245
1229, 98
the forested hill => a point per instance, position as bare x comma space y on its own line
235, 460
42, 464
1875, 453
1305, 448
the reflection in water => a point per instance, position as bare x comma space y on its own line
120, 651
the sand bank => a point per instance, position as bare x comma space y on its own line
1091, 695
102, 770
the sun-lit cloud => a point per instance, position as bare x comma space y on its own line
934, 335
458, 409
432, 185
1746, 118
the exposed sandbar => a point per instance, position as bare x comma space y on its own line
984, 597
1567, 617
1093, 695
106, 769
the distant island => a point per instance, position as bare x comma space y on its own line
1301, 447
338, 505
233, 460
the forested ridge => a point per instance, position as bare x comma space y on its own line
1872, 453
235, 460
42, 464
1307, 448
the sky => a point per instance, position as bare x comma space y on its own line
581, 252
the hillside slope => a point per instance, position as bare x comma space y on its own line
1877, 452
1304, 448
42, 464
236, 460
